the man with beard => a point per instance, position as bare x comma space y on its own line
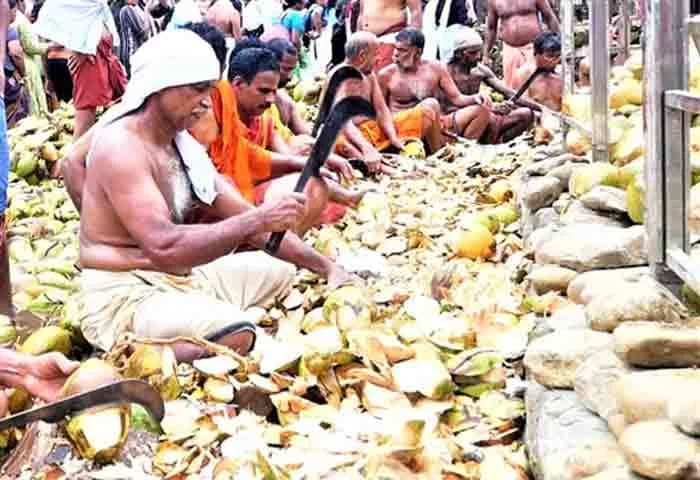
367, 139
517, 25
412, 80
385, 18
505, 121
547, 88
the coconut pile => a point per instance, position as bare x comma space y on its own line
415, 372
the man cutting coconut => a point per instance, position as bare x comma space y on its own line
146, 269
462, 49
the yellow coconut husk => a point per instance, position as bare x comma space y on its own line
47, 339
348, 308
474, 242
100, 433
635, 200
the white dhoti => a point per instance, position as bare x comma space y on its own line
155, 305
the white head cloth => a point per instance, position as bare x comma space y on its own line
76, 24
456, 38
173, 59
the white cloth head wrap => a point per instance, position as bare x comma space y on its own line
173, 59
456, 38
76, 24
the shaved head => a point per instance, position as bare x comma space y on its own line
358, 43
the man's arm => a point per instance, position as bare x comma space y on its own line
499, 85
14, 50
548, 14
415, 9
491, 31
236, 24
452, 93
384, 117
230, 203
296, 123
129, 186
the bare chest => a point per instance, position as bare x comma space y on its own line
511, 8
467, 83
413, 87
174, 185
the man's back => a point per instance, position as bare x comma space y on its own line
225, 17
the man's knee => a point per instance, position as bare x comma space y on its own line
431, 111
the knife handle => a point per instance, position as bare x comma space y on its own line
273, 243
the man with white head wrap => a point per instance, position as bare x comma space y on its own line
148, 270
462, 49
86, 28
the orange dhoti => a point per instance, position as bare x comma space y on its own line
514, 58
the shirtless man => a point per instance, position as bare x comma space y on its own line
412, 80
288, 120
222, 15
367, 139
506, 121
516, 22
146, 269
547, 89
385, 18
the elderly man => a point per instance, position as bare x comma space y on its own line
146, 269
367, 139
86, 27
385, 18
412, 80
517, 25
463, 49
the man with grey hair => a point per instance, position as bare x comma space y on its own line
367, 139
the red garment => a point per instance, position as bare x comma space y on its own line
98, 79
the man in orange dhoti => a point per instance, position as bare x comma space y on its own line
245, 147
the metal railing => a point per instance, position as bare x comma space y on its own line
600, 65
667, 109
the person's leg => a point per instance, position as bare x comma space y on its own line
431, 128
515, 123
249, 279
316, 198
5, 284
471, 122
84, 119
193, 316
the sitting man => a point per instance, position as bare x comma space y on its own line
245, 147
367, 139
146, 269
289, 122
547, 89
412, 80
505, 121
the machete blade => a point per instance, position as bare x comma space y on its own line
125, 391
342, 74
341, 114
